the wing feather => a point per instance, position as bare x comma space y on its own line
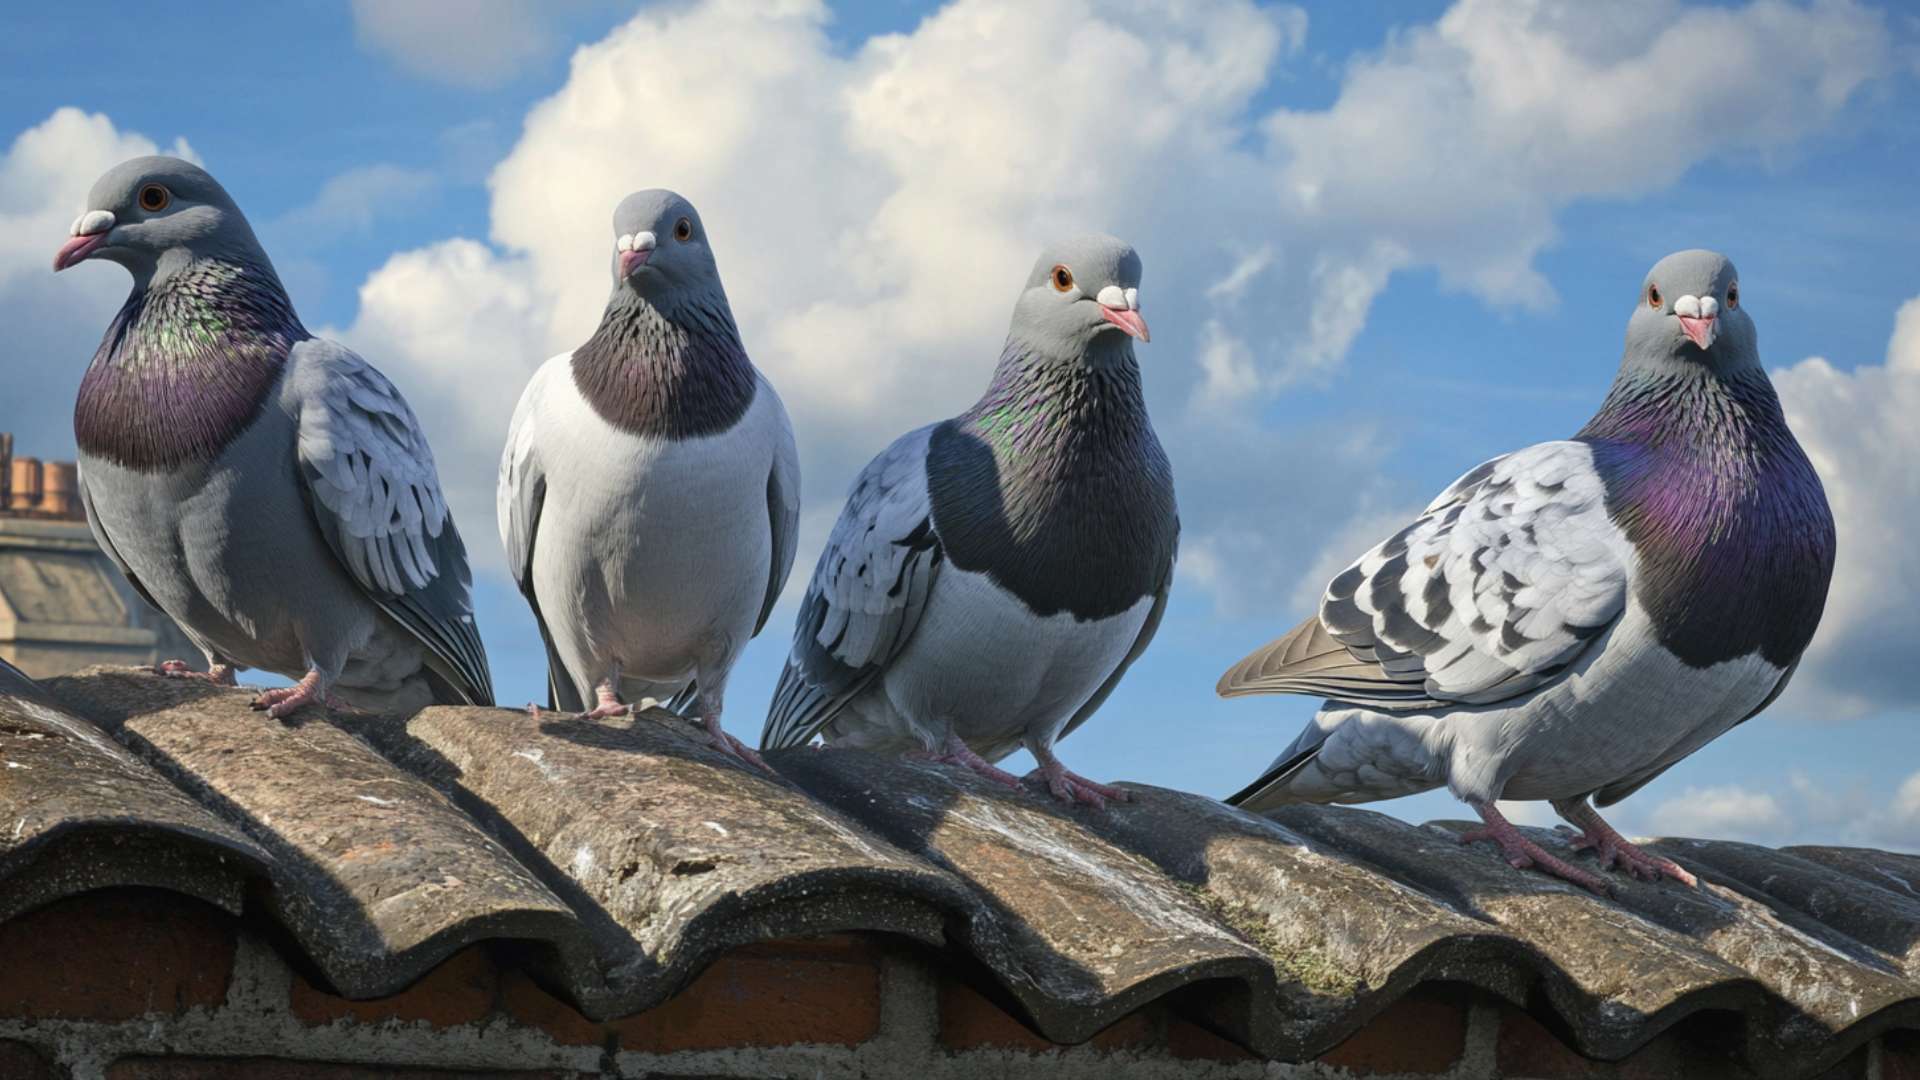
866, 597
1496, 588
373, 491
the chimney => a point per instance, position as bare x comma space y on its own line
24, 493
60, 495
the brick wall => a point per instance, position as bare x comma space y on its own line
147, 985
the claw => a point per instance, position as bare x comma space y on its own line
218, 674
281, 702
1611, 849
733, 747
1071, 787
957, 752
1522, 853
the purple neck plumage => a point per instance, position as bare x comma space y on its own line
1732, 527
668, 377
186, 366
1056, 485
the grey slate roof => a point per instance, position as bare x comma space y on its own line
628, 856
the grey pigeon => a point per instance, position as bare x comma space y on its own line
993, 575
268, 490
1572, 619
650, 491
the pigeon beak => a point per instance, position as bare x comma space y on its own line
1698, 317
635, 250
1700, 331
1121, 307
89, 235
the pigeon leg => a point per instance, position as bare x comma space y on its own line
281, 702
609, 705
1522, 852
218, 674
729, 745
957, 752
1071, 787
1613, 849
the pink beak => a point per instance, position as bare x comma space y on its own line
1698, 330
633, 260
1127, 320
77, 249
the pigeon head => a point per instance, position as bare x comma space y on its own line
155, 215
1689, 312
1080, 290
660, 247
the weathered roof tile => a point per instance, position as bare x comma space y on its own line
78, 812
631, 855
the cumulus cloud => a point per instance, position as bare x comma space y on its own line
355, 200
471, 43
53, 325
875, 208
1858, 427
1792, 809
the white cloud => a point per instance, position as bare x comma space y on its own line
54, 324
355, 200
472, 43
874, 209
1859, 429
1792, 809
1726, 812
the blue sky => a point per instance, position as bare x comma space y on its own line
1382, 242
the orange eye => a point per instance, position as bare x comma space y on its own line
1062, 278
1733, 296
1653, 296
683, 230
154, 198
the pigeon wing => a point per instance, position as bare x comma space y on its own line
1500, 585
370, 483
866, 597
1140, 643
519, 497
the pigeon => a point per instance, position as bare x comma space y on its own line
1572, 619
269, 490
649, 493
994, 575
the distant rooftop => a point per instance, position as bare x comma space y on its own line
32, 488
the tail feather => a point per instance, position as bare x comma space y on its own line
1270, 790
1308, 660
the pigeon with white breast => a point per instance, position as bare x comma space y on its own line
994, 575
1570, 620
267, 489
650, 490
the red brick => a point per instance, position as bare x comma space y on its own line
1191, 1042
778, 994
19, 1061
1526, 1049
1423, 1033
279, 1069
969, 1021
459, 991
115, 955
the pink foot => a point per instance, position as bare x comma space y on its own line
956, 752
1612, 849
1071, 787
280, 703
219, 675
1521, 852
609, 706
731, 746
